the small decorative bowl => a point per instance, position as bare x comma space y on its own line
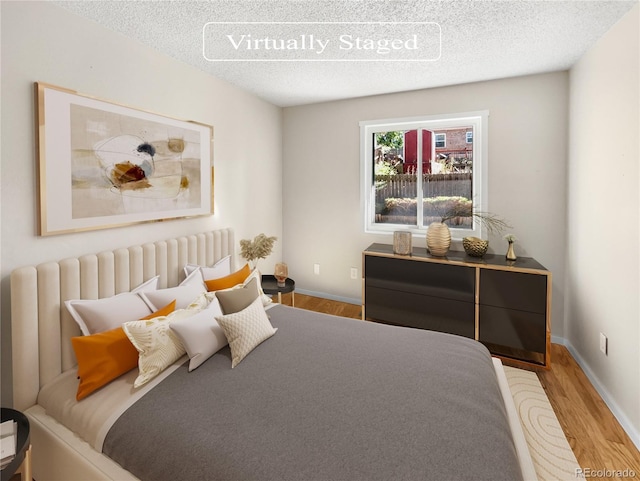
475, 246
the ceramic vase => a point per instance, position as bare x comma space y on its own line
438, 239
511, 255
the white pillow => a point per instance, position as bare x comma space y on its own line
184, 294
222, 268
200, 334
245, 330
99, 315
158, 346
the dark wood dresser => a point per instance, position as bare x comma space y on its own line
506, 305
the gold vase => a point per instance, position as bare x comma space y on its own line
511, 255
438, 239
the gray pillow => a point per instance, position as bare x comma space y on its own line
238, 298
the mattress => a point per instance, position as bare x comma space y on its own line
92, 417
324, 398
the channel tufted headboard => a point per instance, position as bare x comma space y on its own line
41, 325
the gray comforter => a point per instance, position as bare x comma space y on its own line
325, 398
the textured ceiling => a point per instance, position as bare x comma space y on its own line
480, 40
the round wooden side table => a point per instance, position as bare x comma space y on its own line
22, 461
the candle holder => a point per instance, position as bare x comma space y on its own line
402, 243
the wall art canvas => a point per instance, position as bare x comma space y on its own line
104, 165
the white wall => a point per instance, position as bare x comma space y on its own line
42, 42
527, 162
603, 205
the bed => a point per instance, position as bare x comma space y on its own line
322, 398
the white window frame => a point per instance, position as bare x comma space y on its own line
444, 140
479, 120
466, 135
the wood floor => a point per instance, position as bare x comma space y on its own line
597, 439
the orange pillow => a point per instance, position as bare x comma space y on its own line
231, 280
164, 311
106, 356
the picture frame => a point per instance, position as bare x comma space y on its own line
103, 165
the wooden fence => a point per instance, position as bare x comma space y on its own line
434, 185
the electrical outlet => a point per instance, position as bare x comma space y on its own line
604, 344
316, 269
354, 273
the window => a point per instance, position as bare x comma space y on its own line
411, 175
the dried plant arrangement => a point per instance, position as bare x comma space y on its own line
258, 248
492, 222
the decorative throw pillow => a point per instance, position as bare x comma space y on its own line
229, 281
200, 334
238, 298
255, 274
245, 330
163, 311
102, 358
222, 268
205, 300
105, 356
158, 346
184, 294
99, 315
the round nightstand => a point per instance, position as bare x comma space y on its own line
270, 287
22, 462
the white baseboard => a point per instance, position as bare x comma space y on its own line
348, 300
604, 394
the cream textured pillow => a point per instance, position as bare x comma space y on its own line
245, 330
157, 345
205, 300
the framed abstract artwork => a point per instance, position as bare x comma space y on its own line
105, 165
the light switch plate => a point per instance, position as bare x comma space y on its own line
603, 344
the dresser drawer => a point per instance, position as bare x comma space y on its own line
513, 290
509, 327
422, 312
429, 279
